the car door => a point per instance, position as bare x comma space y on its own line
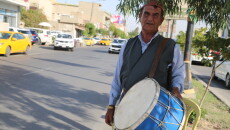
220, 70
15, 43
23, 42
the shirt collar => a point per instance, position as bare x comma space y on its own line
140, 38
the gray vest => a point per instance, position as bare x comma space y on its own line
136, 65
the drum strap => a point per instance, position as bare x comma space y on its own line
157, 57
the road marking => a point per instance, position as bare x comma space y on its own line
35, 71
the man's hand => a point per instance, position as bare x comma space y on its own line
109, 116
176, 92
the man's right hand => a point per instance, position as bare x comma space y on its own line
109, 116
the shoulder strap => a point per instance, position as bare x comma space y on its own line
157, 57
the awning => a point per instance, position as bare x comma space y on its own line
15, 2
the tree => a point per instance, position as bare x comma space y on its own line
90, 30
215, 13
102, 31
117, 32
181, 39
134, 33
207, 41
32, 17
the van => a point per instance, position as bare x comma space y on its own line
44, 36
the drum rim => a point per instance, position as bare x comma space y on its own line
149, 110
153, 103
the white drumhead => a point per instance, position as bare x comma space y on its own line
140, 99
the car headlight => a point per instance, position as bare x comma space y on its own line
1, 43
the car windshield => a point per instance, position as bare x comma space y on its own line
87, 38
105, 39
5, 35
118, 41
96, 38
67, 36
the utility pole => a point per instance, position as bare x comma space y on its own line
187, 51
187, 55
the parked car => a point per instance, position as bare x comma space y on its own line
105, 41
116, 45
44, 36
223, 72
89, 41
35, 37
96, 40
13, 29
64, 41
195, 57
13, 42
26, 32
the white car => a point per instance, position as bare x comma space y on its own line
44, 36
223, 72
64, 40
96, 40
116, 45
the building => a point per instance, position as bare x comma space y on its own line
10, 12
71, 18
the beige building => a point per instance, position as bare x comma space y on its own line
72, 18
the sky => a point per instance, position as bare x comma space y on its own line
110, 7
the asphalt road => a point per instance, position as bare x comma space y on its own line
56, 89
217, 87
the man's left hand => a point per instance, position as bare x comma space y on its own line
176, 92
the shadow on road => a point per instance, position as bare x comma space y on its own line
28, 103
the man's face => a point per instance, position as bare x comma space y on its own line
151, 19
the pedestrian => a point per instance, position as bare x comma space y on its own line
137, 55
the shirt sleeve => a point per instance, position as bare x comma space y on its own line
116, 83
178, 69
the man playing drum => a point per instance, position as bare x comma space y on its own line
136, 57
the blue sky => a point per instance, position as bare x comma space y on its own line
110, 7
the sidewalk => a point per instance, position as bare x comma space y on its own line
213, 90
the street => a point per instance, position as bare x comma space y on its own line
217, 87
58, 89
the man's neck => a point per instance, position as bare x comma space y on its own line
146, 37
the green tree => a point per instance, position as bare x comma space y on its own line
117, 32
103, 32
214, 13
90, 30
181, 39
134, 33
32, 17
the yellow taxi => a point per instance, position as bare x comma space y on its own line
89, 41
13, 42
105, 41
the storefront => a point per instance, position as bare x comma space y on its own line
10, 11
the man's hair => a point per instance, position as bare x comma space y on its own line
162, 11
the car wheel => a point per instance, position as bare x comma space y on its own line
55, 48
8, 51
227, 81
109, 51
27, 50
71, 49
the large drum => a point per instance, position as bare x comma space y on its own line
147, 106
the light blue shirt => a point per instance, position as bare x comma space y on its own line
178, 70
